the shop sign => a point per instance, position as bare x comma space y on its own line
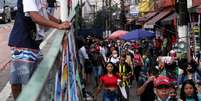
159, 4
134, 10
195, 29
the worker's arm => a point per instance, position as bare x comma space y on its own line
142, 88
37, 18
52, 18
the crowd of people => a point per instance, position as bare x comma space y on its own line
115, 65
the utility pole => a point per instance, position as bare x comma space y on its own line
106, 9
103, 4
183, 25
107, 20
123, 16
80, 13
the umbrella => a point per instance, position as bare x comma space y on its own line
117, 34
138, 34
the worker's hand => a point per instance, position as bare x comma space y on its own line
151, 78
64, 25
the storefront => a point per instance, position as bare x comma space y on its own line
164, 23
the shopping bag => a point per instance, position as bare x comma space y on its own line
123, 91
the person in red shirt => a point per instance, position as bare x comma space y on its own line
109, 84
138, 63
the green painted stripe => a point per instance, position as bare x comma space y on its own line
34, 88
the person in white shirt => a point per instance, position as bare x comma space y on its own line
83, 57
24, 46
103, 52
114, 57
31, 8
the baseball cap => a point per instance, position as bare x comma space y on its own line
161, 80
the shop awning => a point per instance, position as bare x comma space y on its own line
161, 15
196, 9
146, 17
170, 17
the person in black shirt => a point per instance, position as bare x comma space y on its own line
51, 6
124, 72
145, 86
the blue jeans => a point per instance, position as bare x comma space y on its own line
21, 71
97, 71
109, 95
51, 10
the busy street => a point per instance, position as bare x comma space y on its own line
100, 50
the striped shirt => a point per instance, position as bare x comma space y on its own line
25, 54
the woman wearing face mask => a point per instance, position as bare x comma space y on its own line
189, 92
114, 58
189, 74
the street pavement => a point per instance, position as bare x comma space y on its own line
4, 48
4, 59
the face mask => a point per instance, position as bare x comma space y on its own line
115, 55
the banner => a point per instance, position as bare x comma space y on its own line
71, 70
